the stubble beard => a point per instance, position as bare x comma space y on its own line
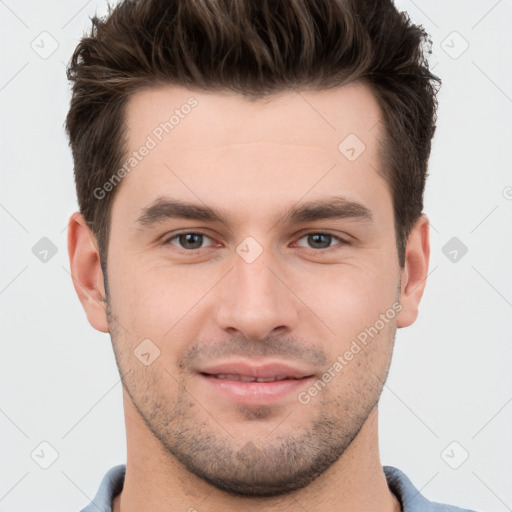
272, 465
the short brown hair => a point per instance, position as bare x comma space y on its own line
254, 48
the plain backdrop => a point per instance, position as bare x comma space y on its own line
446, 410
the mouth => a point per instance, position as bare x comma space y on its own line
250, 384
250, 371
248, 378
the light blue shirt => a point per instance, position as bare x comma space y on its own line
409, 497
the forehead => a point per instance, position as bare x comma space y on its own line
210, 119
222, 148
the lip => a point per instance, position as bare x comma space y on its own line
263, 370
256, 393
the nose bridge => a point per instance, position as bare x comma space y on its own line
255, 281
254, 300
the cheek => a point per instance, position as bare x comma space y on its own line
156, 300
348, 297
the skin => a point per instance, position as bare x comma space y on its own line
190, 447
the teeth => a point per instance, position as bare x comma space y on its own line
269, 379
244, 378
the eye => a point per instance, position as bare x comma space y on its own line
319, 240
193, 240
190, 240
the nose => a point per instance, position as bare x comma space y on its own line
255, 301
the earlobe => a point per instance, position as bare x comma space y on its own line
86, 271
414, 274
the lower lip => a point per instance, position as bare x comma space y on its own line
257, 393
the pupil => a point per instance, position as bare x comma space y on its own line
188, 239
317, 240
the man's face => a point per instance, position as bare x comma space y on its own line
258, 292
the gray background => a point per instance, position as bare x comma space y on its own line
449, 392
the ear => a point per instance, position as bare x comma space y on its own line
84, 259
415, 271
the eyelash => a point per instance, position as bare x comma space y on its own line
341, 241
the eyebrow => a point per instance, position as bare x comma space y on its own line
164, 208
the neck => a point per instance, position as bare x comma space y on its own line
156, 481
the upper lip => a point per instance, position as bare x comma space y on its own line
262, 370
